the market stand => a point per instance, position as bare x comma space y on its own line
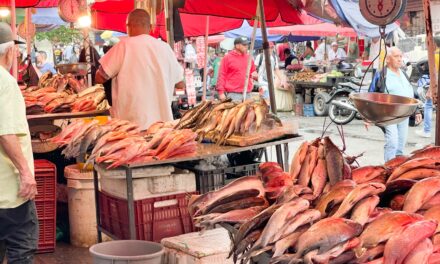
204, 151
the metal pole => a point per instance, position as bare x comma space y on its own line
97, 208
205, 68
130, 201
437, 117
14, 35
269, 72
249, 63
169, 22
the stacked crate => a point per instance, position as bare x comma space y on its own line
160, 202
45, 201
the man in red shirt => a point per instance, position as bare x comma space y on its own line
232, 74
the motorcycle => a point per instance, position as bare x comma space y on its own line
342, 110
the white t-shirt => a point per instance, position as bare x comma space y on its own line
320, 51
144, 72
262, 75
339, 54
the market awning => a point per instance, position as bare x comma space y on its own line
47, 16
19, 3
245, 9
246, 30
317, 30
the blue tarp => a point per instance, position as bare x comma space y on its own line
47, 16
349, 10
246, 31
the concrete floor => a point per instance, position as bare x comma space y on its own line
357, 140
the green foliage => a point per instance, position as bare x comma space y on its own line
62, 34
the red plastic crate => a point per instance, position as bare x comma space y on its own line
155, 218
45, 201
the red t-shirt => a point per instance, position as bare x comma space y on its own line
281, 49
231, 77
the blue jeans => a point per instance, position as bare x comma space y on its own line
427, 120
395, 139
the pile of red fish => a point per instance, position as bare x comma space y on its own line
63, 94
325, 210
120, 142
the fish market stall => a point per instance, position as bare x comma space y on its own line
327, 209
314, 88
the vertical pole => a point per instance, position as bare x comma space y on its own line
86, 43
169, 22
130, 201
437, 116
205, 70
97, 207
273, 105
251, 49
14, 35
28, 19
431, 48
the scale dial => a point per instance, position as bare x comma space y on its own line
69, 10
382, 12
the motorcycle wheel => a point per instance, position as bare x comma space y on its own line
340, 115
319, 103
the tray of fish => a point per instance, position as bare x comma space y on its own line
219, 121
326, 209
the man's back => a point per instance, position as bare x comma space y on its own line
144, 72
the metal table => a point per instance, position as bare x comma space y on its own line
203, 151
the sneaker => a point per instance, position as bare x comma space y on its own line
422, 133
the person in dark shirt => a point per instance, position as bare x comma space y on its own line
289, 57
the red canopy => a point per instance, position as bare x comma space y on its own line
318, 30
47, 3
112, 15
245, 9
19, 3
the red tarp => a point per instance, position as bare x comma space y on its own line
244, 9
112, 15
318, 30
47, 3
19, 3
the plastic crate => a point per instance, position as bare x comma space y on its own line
308, 110
45, 201
155, 218
210, 180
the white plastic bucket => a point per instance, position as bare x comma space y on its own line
127, 252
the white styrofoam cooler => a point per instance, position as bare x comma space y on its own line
152, 185
151, 171
210, 247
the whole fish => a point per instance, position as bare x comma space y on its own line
239, 216
402, 243
421, 253
304, 176
285, 213
254, 223
326, 234
226, 199
420, 193
346, 257
313, 256
245, 243
288, 241
430, 152
260, 112
396, 162
385, 226
89, 140
319, 177
240, 116
358, 193
244, 183
307, 217
298, 160
364, 208
426, 162
367, 173
420, 173
239, 204
435, 200
335, 196
334, 161
250, 118
434, 214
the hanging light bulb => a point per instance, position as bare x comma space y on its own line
84, 20
4, 12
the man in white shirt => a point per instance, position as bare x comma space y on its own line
320, 51
144, 73
336, 53
260, 63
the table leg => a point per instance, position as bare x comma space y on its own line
279, 155
286, 157
130, 201
98, 217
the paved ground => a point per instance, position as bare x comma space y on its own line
357, 140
